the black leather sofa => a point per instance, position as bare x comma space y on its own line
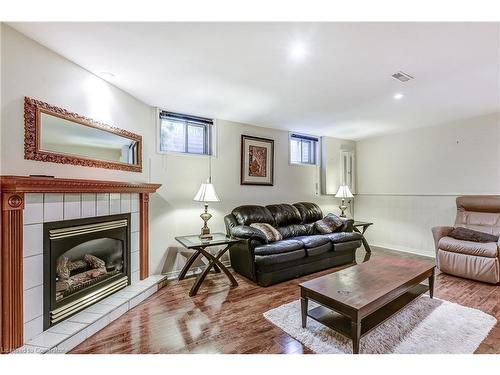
302, 251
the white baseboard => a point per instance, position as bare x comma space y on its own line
430, 254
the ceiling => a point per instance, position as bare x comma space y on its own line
340, 85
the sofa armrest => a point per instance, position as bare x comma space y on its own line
247, 232
242, 258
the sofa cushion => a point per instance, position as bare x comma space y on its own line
284, 214
312, 241
346, 246
466, 234
271, 234
246, 215
481, 249
328, 224
295, 230
309, 212
339, 237
321, 249
267, 260
278, 247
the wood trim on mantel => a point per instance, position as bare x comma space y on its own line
29, 184
144, 235
11, 262
12, 190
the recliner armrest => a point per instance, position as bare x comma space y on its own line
440, 232
244, 231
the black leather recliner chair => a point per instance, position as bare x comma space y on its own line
302, 251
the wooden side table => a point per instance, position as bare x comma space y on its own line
365, 226
194, 242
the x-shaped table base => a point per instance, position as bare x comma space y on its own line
213, 262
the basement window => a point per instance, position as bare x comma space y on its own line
185, 134
303, 149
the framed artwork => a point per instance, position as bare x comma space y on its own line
257, 161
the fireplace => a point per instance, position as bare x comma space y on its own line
27, 204
85, 260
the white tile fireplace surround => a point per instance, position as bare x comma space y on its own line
66, 335
27, 204
42, 208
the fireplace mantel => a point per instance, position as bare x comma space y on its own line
28, 184
12, 189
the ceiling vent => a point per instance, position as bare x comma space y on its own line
402, 76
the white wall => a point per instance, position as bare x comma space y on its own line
330, 159
408, 182
29, 69
174, 212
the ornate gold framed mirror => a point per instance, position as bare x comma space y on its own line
55, 135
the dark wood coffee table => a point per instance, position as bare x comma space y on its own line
359, 298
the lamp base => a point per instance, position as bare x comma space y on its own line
342, 207
205, 230
205, 233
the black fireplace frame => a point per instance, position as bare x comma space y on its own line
49, 273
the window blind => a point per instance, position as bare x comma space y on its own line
164, 115
304, 137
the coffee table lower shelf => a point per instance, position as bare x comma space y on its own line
342, 324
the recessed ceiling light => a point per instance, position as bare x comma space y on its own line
107, 75
298, 51
398, 96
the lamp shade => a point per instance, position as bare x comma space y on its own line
206, 193
344, 192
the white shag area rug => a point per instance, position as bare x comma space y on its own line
424, 326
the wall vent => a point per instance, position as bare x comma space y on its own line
402, 76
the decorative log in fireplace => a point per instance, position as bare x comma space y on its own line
68, 281
12, 190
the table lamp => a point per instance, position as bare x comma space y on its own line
205, 194
343, 193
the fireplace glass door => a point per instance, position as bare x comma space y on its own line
85, 261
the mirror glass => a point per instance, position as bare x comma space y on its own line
62, 136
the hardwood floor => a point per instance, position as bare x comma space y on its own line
221, 319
